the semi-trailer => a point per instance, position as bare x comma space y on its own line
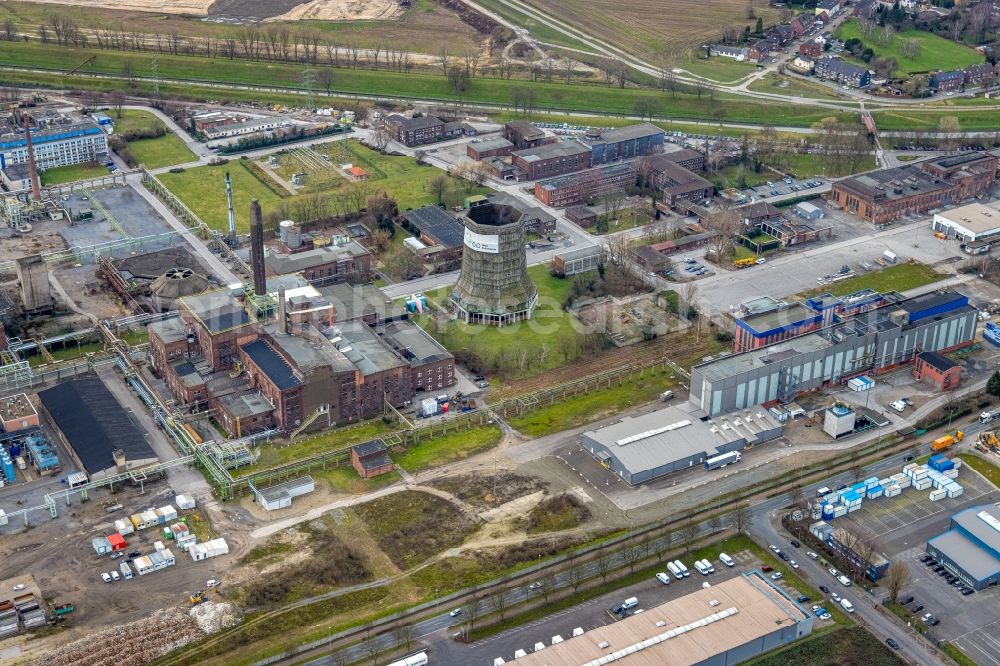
723, 460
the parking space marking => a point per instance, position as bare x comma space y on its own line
970, 645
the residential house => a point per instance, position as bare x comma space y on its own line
831, 7
946, 81
843, 72
803, 64
798, 27
780, 34
761, 49
415, 131
982, 74
737, 53
811, 48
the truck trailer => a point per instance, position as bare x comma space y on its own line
723, 460
942, 443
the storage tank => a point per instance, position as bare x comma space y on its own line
283, 228
838, 420
8, 468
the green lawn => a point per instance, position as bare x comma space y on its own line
806, 165
719, 69
162, 151
203, 189
448, 448
845, 645
984, 467
528, 348
547, 95
899, 278
68, 174
400, 176
790, 85
346, 480
581, 409
936, 53
969, 119
133, 119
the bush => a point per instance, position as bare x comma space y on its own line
561, 512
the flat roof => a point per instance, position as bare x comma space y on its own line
974, 217
645, 442
605, 171
551, 150
95, 424
757, 358
438, 224
983, 522
363, 348
217, 309
627, 133
768, 321
411, 340
748, 609
581, 253
170, 330
280, 262
282, 490
247, 404
272, 365
495, 143
969, 556
356, 301
16, 407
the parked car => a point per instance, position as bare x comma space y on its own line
812, 556
766, 568
776, 576
793, 564
933, 622
891, 642
824, 589
115, 556
917, 609
795, 543
967, 591
115, 576
803, 598
833, 572
455, 613
836, 597
663, 578
105, 577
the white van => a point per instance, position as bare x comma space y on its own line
631, 602
708, 566
675, 570
848, 606
725, 559
684, 569
701, 568
663, 578
844, 580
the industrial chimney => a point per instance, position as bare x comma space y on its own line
257, 248
36, 188
282, 321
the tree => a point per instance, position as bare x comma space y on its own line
630, 557
405, 635
646, 107
574, 577
857, 471
458, 79
897, 576
603, 567
759, 28
373, 647
117, 99
740, 517
436, 186
715, 523
379, 241
381, 136
688, 534
498, 600
796, 496
472, 613
325, 78
950, 129
993, 384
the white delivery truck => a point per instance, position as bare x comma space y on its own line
848, 606
725, 559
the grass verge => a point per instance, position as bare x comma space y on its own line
893, 278
449, 447
161, 151
984, 467
960, 657
73, 172
845, 645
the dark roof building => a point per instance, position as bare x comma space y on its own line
842, 72
676, 182
435, 226
95, 426
552, 159
271, 364
371, 459
415, 131
946, 81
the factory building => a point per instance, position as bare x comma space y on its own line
96, 428
730, 622
937, 370
524, 135
494, 287
644, 448
973, 222
870, 343
887, 194
17, 413
614, 145
971, 547
325, 264
56, 141
577, 261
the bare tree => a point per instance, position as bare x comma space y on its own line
381, 136
688, 534
498, 600
472, 613
405, 635
796, 496
325, 77
646, 107
896, 578
630, 557
715, 523
740, 517
373, 648
603, 567
436, 186
574, 577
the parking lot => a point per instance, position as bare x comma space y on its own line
781, 187
596, 612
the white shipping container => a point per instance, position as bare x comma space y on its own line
957, 492
951, 473
839, 510
123, 526
936, 495
853, 508
958, 462
922, 484
184, 502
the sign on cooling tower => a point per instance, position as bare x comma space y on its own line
482, 243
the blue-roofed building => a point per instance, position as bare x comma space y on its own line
970, 548
56, 141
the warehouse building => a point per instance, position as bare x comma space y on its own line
96, 428
435, 227
974, 222
326, 264
495, 147
579, 260
867, 344
644, 448
887, 194
971, 547
728, 623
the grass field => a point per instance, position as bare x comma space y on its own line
539, 31
969, 119
790, 85
550, 339
984, 467
646, 27
548, 95
806, 165
593, 406
133, 119
845, 645
401, 177
444, 449
725, 70
203, 189
67, 174
899, 278
162, 151
936, 53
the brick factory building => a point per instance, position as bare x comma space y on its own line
937, 370
495, 147
581, 187
523, 135
330, 263
552, 159
887, 194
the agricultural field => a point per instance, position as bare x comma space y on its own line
67, 174
936, 53
203, 189
647, 27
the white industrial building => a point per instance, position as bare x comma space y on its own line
56, 141
968, 223
280, 496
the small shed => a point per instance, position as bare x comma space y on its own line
101, 545
280, 496
808, 211
213, 548
371, 459
581, 215
116, 541
357, 173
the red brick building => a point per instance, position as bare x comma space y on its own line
371, 459
523, 135
937, 370
552, 159
586, 185
415, 131
329, 264
887, 194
